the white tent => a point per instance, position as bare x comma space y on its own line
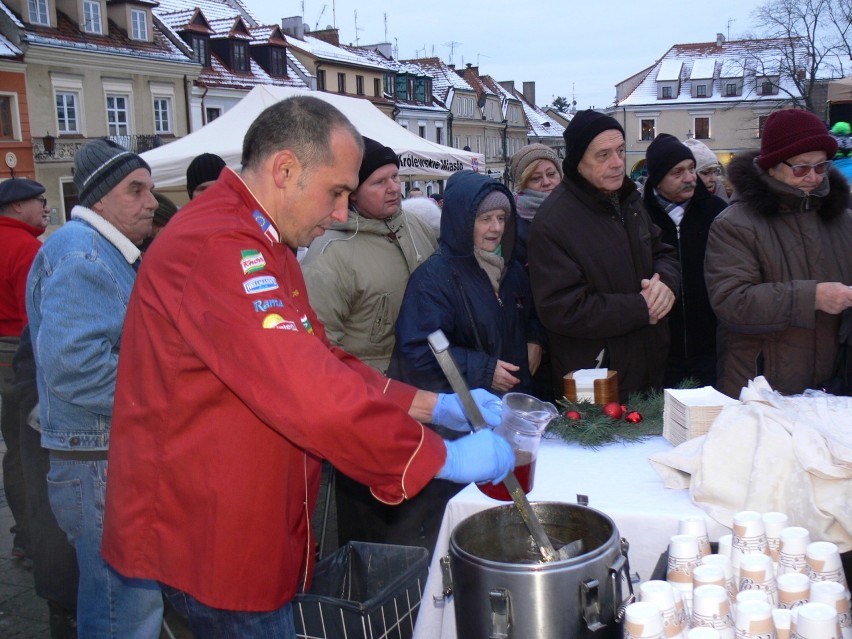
224, 137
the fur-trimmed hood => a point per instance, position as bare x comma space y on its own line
769, 197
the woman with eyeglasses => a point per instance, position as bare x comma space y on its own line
778, 265
708, 168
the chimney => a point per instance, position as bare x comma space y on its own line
529, 92
720, 39
509, 85
331, 36
293, 26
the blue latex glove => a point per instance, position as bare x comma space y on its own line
480, 457
450, 414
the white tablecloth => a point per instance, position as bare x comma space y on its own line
619, 482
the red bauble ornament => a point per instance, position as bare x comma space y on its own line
634, 417
614, 410
572, 414
624, 408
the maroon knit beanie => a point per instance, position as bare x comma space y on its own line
789, 132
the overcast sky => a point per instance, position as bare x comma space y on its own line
565, 48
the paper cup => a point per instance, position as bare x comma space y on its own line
794, 546
749, 533
724, 563
815, 620
744, 596
756, 573
711, 609
832, 593
773, 524
683, 557
662, 595
823, 562
708, 574
754, 620
725, 544
782, 620
696, 526
703, 633
793, 590
643, 620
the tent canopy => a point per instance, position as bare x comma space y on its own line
224, 136
840, 90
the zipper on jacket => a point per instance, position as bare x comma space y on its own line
682, 291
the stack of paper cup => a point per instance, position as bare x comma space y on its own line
749, 537
723, 562
793, 590
815, 620
832, 593
726, 543
783, 620
661, 594
752, 595
696, 526
794, 547
683, 557
703, 633
712, 609
753, 620
823, 562
774, 523
643, 620
756, 573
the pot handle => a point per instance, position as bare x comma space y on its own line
499, 598
446, 581
622, 567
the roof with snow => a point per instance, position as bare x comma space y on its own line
325, 51
443, 78
7, 49
539, 124
747, 60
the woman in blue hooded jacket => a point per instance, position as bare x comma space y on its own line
474, 290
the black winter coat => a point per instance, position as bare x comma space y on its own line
587, 258
450, 291
692, 323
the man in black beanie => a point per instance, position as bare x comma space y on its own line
603, 281
202, 172
680, 204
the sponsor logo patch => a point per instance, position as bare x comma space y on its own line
261, 306
276, 321
252, 261
260, 284
307, 324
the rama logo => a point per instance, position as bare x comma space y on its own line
261, 306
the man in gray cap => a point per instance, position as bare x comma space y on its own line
77, 295
23, 217
603, 281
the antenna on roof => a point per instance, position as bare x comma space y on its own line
396, 48
452, 44
322, 13
357, 28
730, 20
334, 14
386, 27
481, 54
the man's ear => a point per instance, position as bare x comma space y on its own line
285, 168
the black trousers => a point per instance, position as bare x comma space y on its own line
13, 474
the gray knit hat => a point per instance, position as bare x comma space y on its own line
529, 154
494, 200
704, 157
99, 166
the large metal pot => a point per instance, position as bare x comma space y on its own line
503, 590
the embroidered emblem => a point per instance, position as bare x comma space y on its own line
276, 321
261, 306
307, 324
252, 261
260, 284
265, 226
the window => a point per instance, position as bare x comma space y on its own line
241, 57
467, 144
359, 84
211, 113
7, 130
761, 122
341, 83
321, 80
701, 91
421, 130
420, 90
439, 133
118, 114
278, 62
139, 25
401, 87
66, 112
38, 12
731, 89
478, 143
702, 128
667, 93
390, 85
766, 87
457, 143
377, 88
201, 50
92, 16
648, 130
162, 115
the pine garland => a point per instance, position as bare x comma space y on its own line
596, 429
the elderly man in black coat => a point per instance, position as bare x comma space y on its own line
684, 209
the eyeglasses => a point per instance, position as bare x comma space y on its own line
801, 170
42, 199
709, 172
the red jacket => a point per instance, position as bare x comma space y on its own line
228, 398
18, 248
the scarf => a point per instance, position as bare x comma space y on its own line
673, 209
493, 265
528, 202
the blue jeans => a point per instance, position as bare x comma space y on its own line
108, 605
212, 623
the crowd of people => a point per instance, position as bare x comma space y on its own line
213, 373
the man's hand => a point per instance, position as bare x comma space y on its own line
833, 297
482, 456
503, 380
658, 297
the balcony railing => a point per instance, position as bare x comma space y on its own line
137, 143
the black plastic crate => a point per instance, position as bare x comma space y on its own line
363, 591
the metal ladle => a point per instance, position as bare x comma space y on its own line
440, 345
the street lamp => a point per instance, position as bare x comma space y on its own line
689, 135
49, 143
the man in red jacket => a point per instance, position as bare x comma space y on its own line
229, 395
23, 217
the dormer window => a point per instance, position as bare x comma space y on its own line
92, 16
278, 62
766, 86
200, 49
240, 57
138, 25
732, 89
701, 91
666, 93
38, 12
